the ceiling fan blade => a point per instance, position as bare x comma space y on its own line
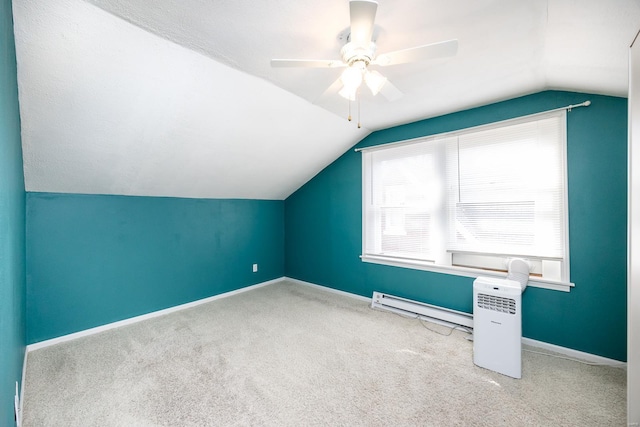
307, 63
390, 92
419, 53
330, 92
363, 15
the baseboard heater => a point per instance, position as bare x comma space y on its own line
414, 308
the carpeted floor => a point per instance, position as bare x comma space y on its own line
292, 355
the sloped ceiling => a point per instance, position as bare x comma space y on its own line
177, 98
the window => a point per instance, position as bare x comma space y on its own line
468, 201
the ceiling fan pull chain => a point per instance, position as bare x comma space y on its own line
349, 117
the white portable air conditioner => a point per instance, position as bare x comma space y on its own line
497, 325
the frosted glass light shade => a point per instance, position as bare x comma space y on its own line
351, 78
348, 93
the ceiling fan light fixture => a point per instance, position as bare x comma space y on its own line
348, 93
351, 77
375, 81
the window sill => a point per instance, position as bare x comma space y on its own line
535, 282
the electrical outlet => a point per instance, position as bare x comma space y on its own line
255, 268
16, 406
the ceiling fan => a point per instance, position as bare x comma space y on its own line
360, 52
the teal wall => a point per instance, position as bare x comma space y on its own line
96, 259
324, 227
12, 223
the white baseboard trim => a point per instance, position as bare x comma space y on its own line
327, 289
574, 354
131, 320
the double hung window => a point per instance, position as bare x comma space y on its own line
470, 200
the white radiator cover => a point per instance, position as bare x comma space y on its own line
406, 306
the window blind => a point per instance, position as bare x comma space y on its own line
508, 189
403, 186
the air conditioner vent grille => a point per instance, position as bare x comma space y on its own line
495, 303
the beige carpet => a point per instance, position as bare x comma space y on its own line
292, 355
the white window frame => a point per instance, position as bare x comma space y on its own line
437, 266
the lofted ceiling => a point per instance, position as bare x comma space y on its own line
177, 98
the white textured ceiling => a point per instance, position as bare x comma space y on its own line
177, 98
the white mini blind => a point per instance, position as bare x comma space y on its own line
507, 189
402, 187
